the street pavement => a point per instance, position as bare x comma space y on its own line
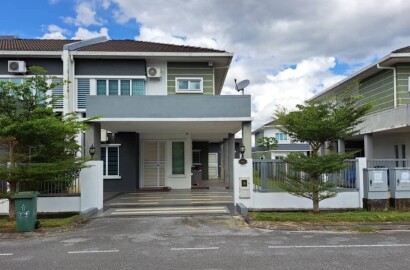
201, 242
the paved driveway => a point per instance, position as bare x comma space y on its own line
174, 202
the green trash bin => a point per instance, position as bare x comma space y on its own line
26, 211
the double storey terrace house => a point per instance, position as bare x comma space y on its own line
159, 105
284, 147
385, 133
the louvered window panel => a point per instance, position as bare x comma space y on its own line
57, 93
83, 90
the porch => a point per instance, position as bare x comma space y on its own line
165, 141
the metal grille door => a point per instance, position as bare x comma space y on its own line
154, 164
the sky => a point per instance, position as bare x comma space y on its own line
289, 50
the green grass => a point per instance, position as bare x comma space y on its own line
272, 185
7, 225
331, 217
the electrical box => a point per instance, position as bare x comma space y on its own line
400, 183
244, 188
375, 183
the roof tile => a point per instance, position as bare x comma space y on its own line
108, 46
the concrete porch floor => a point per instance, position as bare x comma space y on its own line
214, 201
211, 184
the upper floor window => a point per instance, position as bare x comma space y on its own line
281, 136
189, 85
120, 87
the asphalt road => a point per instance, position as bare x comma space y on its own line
202, 243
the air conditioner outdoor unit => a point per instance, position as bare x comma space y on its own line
153, 72
17, 67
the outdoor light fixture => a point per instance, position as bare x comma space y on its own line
242, 160
92, 151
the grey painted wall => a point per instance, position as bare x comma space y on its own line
54, 66
176, 106
132, 67
129, 164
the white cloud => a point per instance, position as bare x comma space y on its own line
54, 32
156, 35
105, 4
86, 15
268, 38
286, 88
83, 33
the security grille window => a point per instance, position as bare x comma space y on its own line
281, 136
120, 87
178, 158
196, 157
110, 158
189, 85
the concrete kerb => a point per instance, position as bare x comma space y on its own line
300, 226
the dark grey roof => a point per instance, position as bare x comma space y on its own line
107, 46
285, 147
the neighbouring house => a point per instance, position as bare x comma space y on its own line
160, 111
284, 147
385, 132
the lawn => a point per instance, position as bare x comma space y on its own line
10, 226
331, 217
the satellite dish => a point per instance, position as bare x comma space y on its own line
241, 85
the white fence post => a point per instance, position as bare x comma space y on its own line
361, 164
92, 186
239, 171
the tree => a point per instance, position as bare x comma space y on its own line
269, 143
40, 144
316, 123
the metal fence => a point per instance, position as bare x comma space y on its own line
269, 174
388, 163
52, 188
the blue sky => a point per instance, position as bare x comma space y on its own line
289, 50
36, 15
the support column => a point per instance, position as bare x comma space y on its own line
225, 161
368, 146
247, 138
341, 146
93, 137
231, 157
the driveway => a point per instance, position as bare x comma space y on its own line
216, 201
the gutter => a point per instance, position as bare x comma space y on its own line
394, 82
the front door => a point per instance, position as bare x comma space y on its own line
153, 164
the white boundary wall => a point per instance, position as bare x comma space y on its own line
92, 186
91, 183
283, 200
349, 199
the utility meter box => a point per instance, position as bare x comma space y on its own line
244, 188
400, 183
375, 183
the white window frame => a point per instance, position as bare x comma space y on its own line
201, 83
22, 78
277, 134
93, 84
112, 145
